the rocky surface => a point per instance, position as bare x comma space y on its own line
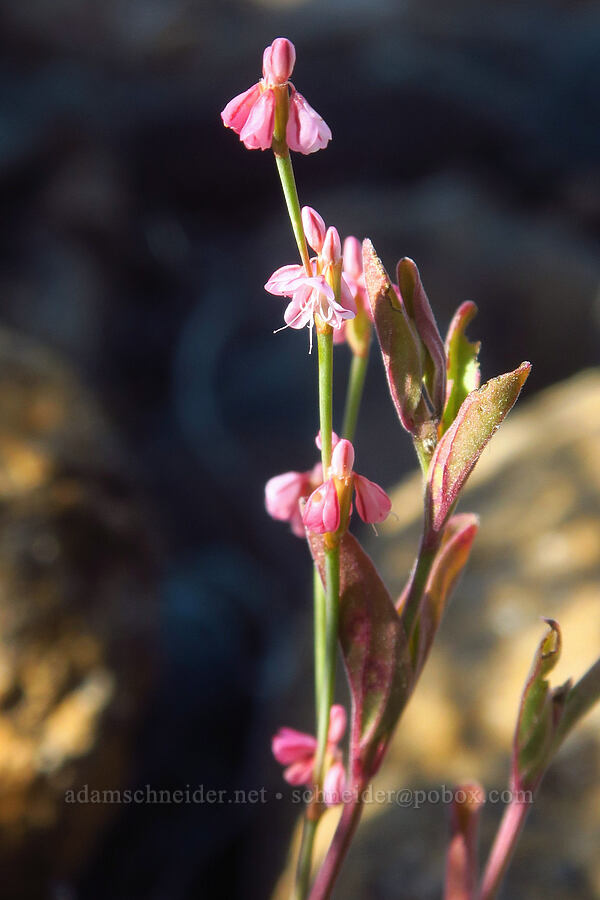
77, 617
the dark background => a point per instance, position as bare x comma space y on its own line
136, 235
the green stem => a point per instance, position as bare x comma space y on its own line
309, 830
320, 632
356, 383
332, 575
288, 183
325, 347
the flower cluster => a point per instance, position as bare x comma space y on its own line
326, 499
296, 750
252, 113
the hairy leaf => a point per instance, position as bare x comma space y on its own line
461, 446
462, 366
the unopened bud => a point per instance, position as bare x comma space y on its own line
342, 459
314, 228
353, 257
278, 61
332, 247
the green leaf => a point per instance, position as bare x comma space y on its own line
462, 372
375, 652
477, 420
539, 713
400, 345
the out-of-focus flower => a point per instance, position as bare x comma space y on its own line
296, 751
252, 113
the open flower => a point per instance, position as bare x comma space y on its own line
296, 751
322, 512
313, 294
252, 113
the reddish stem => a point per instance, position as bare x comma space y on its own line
336, 854
503, 847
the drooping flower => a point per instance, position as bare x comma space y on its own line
296, 751
313, 294
322, 512
252, 113
358, 333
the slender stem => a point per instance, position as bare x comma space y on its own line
425, 560
288, 183
325, 348
356, 383
309, 830
332, 572
502, 849
320, 608
336, 854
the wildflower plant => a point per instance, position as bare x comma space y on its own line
344, 294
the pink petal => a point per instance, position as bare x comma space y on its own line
347, 297
300, 772
237, 110
334, 785
285, 280
342, 459
290, 746
257, 133
297, 313
337, 723
372, 502
306, 131
314, 228
322, 510
283, 492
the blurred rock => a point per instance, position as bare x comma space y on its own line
77, 576
537, 490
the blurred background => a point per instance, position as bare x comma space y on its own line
154, 623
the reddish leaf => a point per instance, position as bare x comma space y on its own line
400, 346
375, 653
420, 312
447, 568
461, 446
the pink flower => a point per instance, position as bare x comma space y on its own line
296, 751
252, 113
284, 492
313, 295
322, 510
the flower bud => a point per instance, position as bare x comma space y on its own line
332, 247
278, 61
314, 228
342, 459
353, 258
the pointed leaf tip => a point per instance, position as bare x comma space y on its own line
478, 419
400, 346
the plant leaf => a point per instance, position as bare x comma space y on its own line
400, 346
420, 312
539, 713
462, 367
450, 560
478, 419
375, 653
